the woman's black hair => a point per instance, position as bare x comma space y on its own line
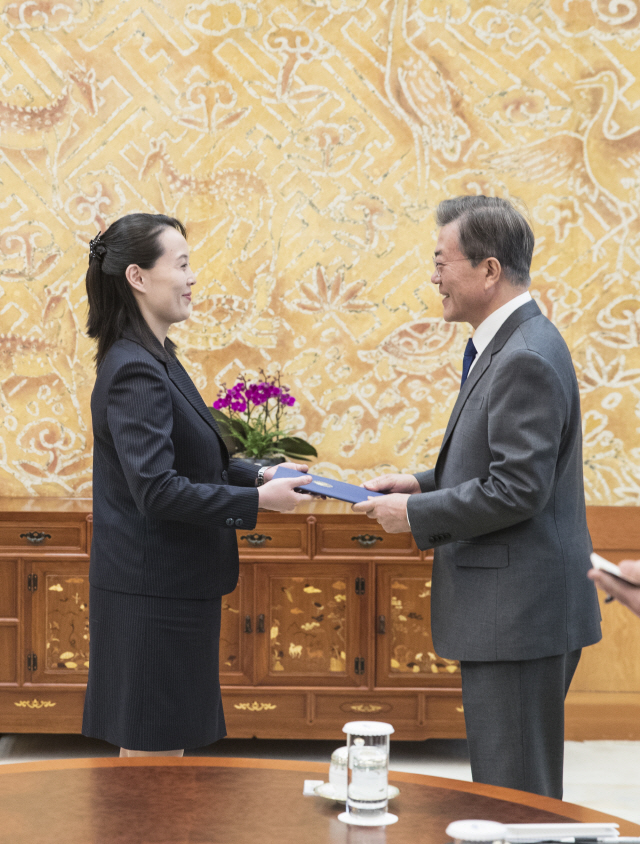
133, 239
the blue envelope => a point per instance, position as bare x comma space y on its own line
326, 486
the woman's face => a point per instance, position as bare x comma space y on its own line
164, 292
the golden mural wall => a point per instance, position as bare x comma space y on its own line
306, 144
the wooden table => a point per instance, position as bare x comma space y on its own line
237, 801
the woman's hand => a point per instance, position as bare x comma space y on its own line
280, 494
269, 473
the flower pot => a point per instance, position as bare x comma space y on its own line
274, 460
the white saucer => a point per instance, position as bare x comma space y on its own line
383, 820
327, 791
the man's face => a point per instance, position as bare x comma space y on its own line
461, 285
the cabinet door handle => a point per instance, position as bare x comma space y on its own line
260, 627
247, 624
366, 539
256, 540
382, 624
35, 537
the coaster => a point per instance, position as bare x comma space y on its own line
384, 820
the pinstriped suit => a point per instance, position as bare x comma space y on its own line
164, 516
167, 503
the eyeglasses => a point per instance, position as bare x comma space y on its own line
440, 264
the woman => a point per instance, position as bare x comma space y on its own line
167, 503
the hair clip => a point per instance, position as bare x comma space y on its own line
97, 249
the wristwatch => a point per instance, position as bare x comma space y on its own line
260, 479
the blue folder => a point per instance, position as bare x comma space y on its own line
327, 486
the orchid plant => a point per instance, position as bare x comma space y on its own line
253, 421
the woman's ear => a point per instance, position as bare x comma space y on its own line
134, 277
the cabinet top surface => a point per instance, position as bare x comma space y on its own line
11, 505
45, 505
84, 505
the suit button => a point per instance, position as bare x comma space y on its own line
229, 522
225, 476
239, 522
446, 536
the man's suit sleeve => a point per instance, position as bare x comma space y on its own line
140, 420
527, 409
427, 480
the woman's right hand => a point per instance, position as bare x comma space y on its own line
280, 495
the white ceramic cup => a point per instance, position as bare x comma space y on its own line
338, 772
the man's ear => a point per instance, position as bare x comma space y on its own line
134, 277
493, 273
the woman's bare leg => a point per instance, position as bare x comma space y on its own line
129, 753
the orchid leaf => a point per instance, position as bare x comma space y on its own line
296, 447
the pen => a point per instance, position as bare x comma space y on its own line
572, 840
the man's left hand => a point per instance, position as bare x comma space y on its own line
390, 511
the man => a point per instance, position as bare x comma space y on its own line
626, 593
504, 507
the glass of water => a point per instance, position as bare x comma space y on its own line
368, 769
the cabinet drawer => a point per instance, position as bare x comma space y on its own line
37, 536
342, 708
266, 714
266, 541
41, 710
445, 711
362, 540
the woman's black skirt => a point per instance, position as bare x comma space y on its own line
153, 672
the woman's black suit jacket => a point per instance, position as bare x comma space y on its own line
167, 500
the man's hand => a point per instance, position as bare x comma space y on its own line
393, 483
269, 473
390, 511
624, 592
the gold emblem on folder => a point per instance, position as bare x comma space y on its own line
324, 483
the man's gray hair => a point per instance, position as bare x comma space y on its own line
490, 227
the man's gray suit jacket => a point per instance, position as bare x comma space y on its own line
504, 507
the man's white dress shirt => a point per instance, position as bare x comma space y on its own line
488, 329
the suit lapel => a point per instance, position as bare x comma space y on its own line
180, 378
474, 376
178, 374
522, 314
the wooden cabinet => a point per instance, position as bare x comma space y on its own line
44, 597
404, 653
330, 622
314, 625
236, 629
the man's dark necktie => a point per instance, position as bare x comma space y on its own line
469, 356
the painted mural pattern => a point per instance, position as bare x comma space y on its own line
306, 144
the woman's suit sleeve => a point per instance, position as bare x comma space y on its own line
242, 472
140, 420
